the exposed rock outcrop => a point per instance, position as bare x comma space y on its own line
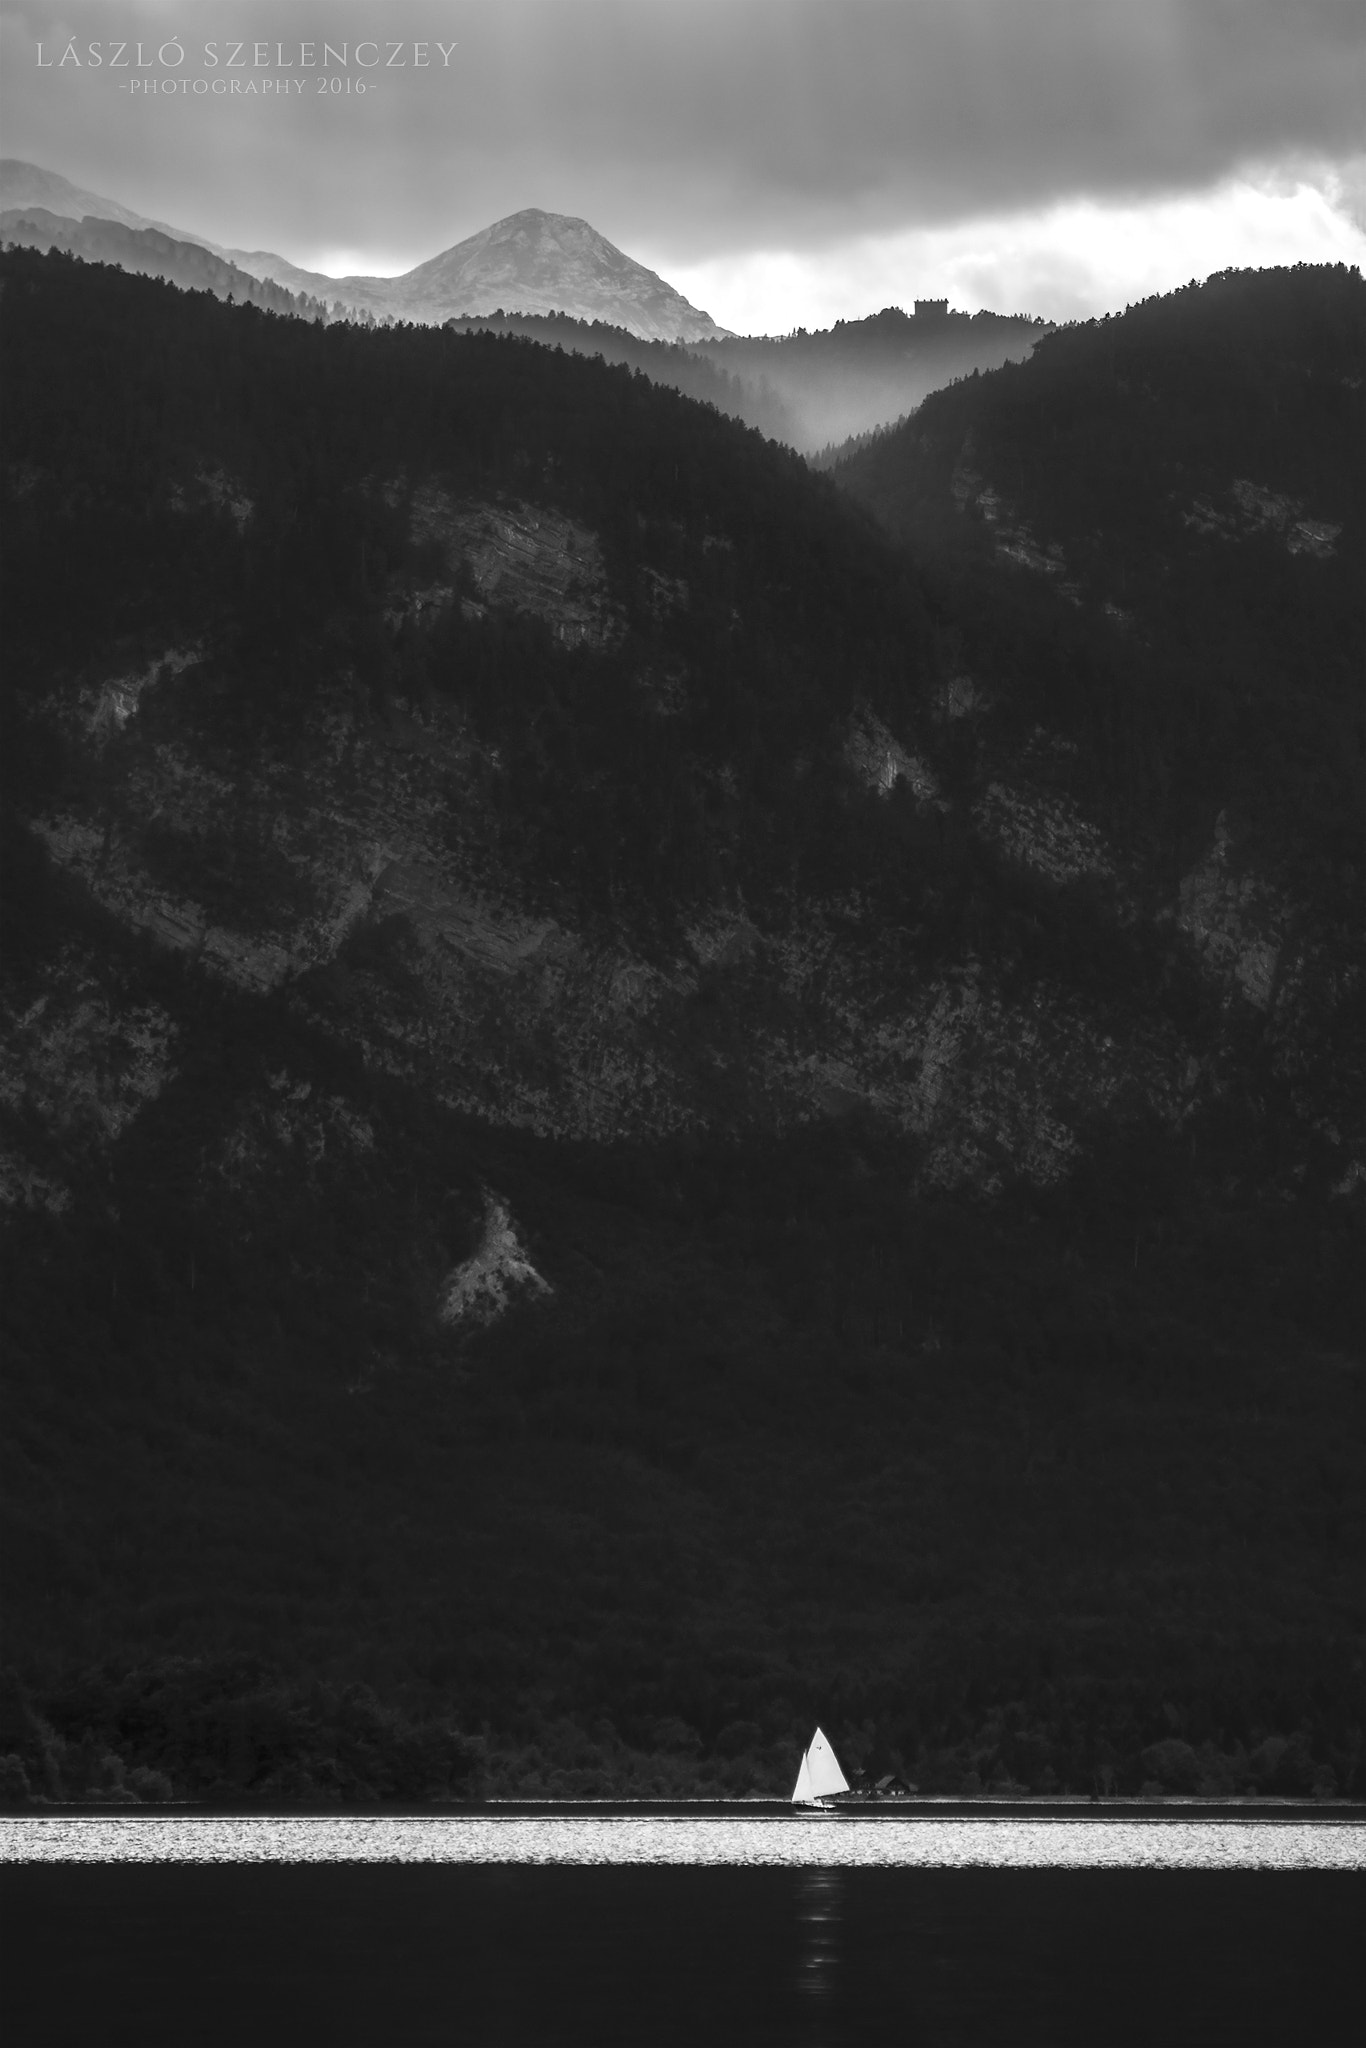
482, 1286
1236, 920
527, 558
1253, 508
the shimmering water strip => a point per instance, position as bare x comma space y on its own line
947, 1844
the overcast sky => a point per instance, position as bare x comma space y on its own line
783, 162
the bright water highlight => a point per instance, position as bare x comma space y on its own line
824, 1841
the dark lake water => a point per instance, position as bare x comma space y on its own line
474, 1954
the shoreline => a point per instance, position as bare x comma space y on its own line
939, 1807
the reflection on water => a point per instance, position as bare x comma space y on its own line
820, 1914
445, 1951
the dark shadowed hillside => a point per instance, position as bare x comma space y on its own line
682, 368
1149, 539
624, 1123
1167, 504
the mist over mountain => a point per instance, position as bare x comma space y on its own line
532, 262
41, 210
641, 1102
558, 280
147, 252
675, 364
24, 186
861, 374
811, 391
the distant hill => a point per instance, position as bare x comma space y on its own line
147, 252
556, 278
24, 186
33, 201
531, 262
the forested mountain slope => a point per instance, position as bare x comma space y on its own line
148, 252
1171, 500
1150, 540
607, 1136
682, 368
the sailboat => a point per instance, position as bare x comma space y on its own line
820, 1776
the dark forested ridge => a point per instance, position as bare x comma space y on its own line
677, 364
632, 1116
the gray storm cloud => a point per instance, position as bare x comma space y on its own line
707, 127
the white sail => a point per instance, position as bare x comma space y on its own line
822, 1768
802, 1794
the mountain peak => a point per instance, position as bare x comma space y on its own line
528, 262
530, 215
539, 262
